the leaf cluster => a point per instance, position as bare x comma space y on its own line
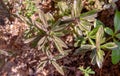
46, 32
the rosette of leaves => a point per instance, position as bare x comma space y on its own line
48, 36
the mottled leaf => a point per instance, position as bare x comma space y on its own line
84, 25
98, 23
109, 45
93, 32
42, 45
59, 47
43, 19
60, 42
99, 58
58, 68
30, 40
99, 37
109, 31
41, 65
40, 42
40, 26
76, 9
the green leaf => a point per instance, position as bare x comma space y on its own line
118, 35
117, 21
116, 54
93, 56
59, 34
61, 24
86, 74
67, 20
89, 13
41, 65
40, 26
40, 42
58, 28
61, 43
57, 23
100, 58
76, 9
49, 16
91, 72
98, 23
42, 45
43, 18
58, 68
109, 45
83, 49
109, 31
59, 47
84, 25
92, 33
63, 10
91, 41
86, 71
30, 40
99, 37
87, 47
